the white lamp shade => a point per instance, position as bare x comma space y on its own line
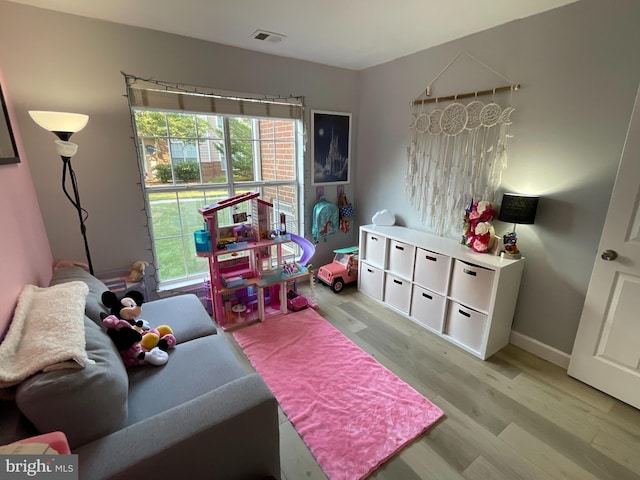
60, 121
66, 149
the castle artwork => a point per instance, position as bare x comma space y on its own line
331, 147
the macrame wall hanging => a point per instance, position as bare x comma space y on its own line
457, 152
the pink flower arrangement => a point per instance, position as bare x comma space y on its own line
478, 231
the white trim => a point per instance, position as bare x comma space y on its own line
542, 350
184, 284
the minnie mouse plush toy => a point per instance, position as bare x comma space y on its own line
137, 343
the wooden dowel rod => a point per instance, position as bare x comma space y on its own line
467, 95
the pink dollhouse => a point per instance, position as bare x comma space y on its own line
249, 279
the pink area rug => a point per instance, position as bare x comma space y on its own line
352, 412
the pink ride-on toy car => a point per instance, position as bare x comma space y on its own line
342, 271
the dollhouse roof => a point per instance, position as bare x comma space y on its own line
227, 202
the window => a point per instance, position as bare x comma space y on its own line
193, 159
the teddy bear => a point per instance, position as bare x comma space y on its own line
137, 342
137, 271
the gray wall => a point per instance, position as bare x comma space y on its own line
54, 61
579, 69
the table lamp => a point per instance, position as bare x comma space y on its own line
516, 209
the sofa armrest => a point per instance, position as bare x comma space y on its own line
229, 433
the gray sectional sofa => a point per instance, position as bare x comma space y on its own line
202, 415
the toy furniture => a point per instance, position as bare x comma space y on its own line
467, 298
249, 277
202, 415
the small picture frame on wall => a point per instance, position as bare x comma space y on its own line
330, 147
8, 149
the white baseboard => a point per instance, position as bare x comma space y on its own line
542, 350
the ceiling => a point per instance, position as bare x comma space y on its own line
353, 34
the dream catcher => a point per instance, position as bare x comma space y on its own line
457, 152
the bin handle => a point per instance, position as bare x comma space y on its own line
427, 296
470, 272
462, 312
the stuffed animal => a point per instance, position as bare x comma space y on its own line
137, 271
128, 307
139, 347
137, 343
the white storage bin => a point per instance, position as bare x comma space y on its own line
401, 257
432, 270
374, 249
472, 285
466, 326
397, 292
427, 308
371, 280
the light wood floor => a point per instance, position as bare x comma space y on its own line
514, 416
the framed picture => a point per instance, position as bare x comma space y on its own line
330, 147
8, 149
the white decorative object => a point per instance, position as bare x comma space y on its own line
445, 171
384, 217
412, 121
490, 114
434, 122
457, 153
422, 123
454, 119
473, 111
505, 117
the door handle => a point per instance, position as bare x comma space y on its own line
609, 255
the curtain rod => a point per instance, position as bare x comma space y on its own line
515, 87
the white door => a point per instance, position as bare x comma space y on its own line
606, 352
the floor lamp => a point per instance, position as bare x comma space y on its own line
64, 125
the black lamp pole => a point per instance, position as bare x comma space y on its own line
75, 201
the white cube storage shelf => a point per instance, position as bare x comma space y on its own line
465, 297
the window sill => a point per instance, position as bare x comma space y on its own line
185, 285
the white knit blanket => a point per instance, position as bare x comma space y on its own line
46, 333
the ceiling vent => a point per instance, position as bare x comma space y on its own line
270, 37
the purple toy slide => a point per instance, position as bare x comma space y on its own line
308, 248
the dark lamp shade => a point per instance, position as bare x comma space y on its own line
518, 208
